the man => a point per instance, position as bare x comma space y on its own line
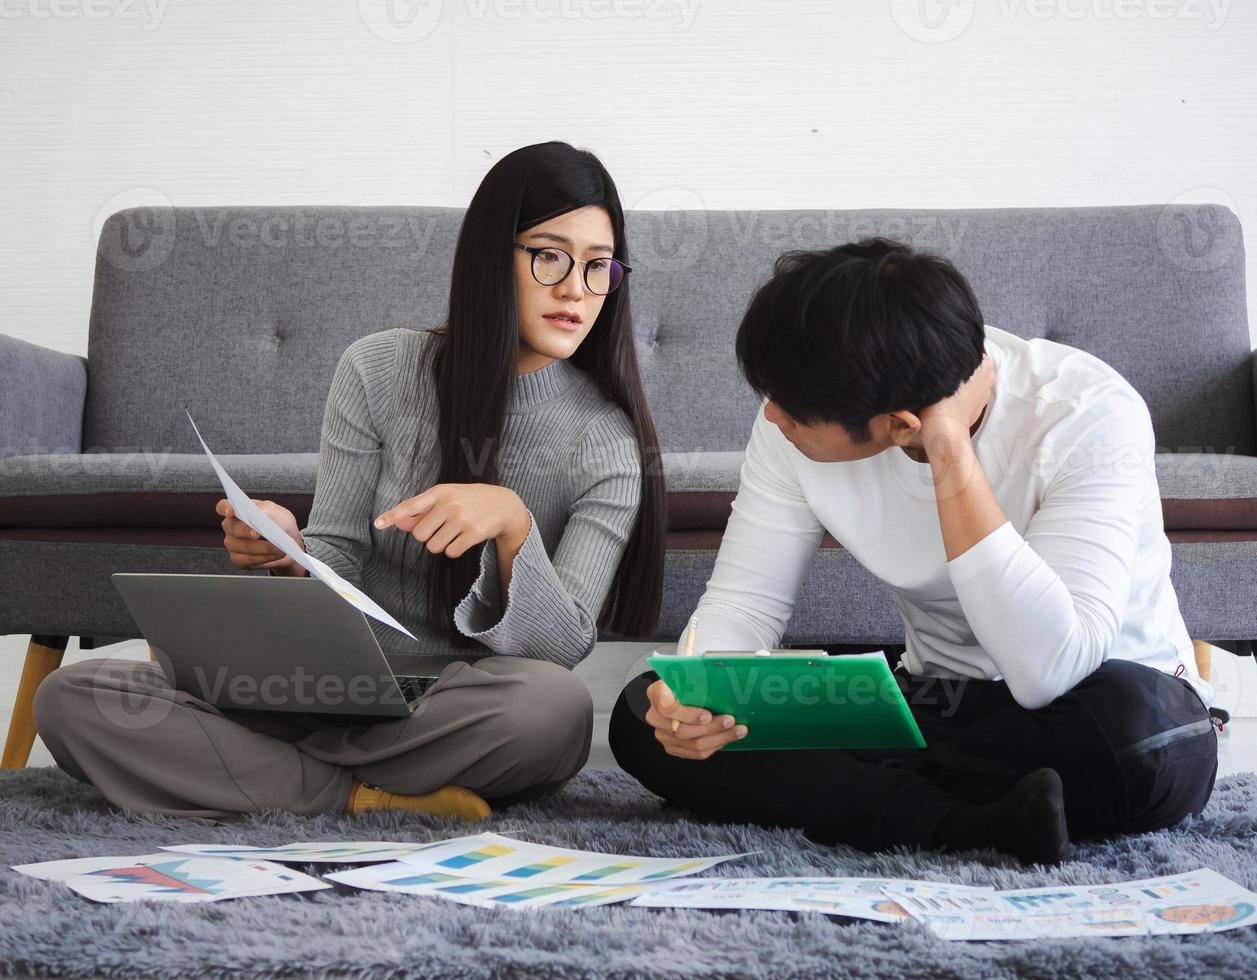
1005, 490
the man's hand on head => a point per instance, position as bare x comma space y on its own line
959, 413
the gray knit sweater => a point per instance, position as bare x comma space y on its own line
567, 450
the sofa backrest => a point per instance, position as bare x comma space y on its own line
240, 313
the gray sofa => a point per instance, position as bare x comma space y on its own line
241, 314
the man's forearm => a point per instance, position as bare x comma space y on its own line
968, 509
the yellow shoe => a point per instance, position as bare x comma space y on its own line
448, 801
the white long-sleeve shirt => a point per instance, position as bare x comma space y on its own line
1079, 573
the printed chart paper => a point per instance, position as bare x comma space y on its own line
485, 892
1195, 901
860, 898
495, 856
309, 852
171, 878
493, 871
252, 515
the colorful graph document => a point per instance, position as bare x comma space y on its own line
485, 892
309, 852
170, 877
252, 515
495, 871
495, 856
859, 898
1195, 901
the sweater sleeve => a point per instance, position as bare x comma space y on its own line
552, 607
765, 554
1066, 581
338, 532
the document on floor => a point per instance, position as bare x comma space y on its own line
494, 856
252, 515
309, 852
490, 870
857, 898
1194, 901
170, 877
484, 892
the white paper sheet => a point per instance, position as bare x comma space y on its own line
249, 512
860, 898
485, 892
492, 856
1195, 901
170, 877
309, 852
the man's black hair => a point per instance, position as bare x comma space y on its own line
846, 334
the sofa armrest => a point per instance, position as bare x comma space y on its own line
42, 393
1252, 363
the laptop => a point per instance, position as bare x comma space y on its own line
267, 643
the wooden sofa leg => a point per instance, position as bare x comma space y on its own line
1204, 659
43, 656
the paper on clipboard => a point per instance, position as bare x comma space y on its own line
252, 515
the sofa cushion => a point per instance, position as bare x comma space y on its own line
144, 489
1201, 492
1208, 491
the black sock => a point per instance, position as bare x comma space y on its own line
1028, 823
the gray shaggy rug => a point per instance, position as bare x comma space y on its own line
46, 930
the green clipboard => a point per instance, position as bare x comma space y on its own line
796, 699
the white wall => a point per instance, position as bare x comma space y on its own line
707, 103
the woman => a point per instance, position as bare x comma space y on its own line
493, 484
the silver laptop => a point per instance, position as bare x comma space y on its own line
267, 643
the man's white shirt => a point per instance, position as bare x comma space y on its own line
1079, 573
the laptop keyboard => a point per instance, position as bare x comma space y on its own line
414, 687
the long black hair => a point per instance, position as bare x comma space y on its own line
474, 365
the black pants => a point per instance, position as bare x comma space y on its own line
1135, 749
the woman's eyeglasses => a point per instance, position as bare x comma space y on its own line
551, 265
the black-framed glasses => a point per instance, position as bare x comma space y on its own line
551, 265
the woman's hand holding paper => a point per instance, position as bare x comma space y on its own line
248, 549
